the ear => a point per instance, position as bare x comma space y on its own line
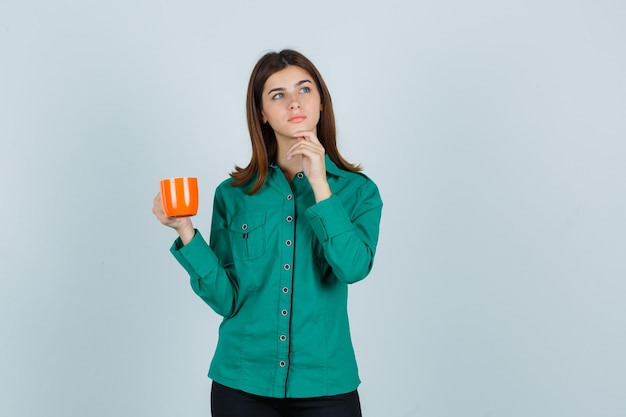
321, 107
263, 118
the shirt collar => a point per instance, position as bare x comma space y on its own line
333, 169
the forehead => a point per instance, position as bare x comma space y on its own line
287, 77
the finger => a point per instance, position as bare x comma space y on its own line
157, 205
307, 149
296, 147
306, 135
308, 141
314, 139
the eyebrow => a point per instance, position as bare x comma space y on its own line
298, 84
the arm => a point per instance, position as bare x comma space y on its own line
349, 242
210, 267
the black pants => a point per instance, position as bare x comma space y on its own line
228, 402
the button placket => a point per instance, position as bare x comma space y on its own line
286, 281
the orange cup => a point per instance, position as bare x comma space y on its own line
180, 196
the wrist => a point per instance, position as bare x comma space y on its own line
186, 232
321, 190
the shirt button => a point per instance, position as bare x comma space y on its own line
282, 364
289, 197
244, 227
288, 242
284, 312
300, 175
289, 219
285, 290
286, 267
283, 337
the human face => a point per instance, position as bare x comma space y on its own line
291, 103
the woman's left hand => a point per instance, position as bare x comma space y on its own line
313, 162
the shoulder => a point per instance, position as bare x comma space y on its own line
356, 188
359, 178
353, 178
227, 187
226, 191
356, 179
227, 183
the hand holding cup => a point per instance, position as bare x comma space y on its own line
176, 203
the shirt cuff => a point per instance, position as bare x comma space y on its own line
196, 257
328, 218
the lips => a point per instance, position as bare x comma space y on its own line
297, 118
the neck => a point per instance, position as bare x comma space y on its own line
290, 167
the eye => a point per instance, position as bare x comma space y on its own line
277, 96
305, 90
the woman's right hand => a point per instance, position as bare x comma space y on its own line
182, 225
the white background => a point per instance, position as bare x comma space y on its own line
496, 131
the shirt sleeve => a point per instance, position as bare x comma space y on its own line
209, 275
349, 239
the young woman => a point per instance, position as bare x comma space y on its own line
289, 232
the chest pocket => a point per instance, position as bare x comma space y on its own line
247, 234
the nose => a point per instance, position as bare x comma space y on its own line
295, 104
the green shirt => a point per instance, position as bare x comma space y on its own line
277, 269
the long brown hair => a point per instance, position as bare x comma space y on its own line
264, 146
